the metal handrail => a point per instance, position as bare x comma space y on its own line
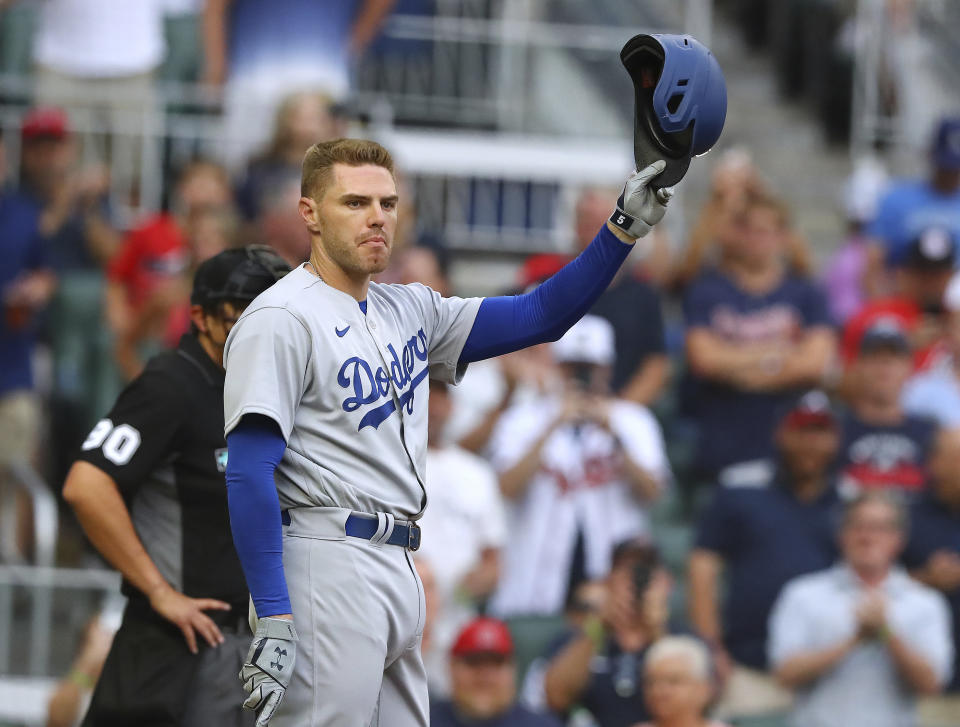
45, 530
44, 506
40, 582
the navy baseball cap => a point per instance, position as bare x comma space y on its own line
885, 334
946, 145
935, 248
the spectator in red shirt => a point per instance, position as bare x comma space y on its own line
145, 280
921, 281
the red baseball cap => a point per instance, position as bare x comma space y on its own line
538, 268
45, 123
483, 636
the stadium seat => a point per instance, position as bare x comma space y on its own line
531, 637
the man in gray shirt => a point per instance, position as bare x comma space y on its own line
861, 640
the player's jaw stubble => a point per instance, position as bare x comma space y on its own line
355, 258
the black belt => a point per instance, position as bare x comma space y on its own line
361, 525
235, 620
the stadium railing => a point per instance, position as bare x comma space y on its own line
471, 65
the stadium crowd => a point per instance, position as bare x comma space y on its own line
802, 425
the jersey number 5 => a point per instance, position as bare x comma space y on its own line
118, 443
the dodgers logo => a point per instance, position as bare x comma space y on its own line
369, 386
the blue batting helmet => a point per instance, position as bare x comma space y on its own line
681, 101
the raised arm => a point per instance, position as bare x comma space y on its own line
509, 323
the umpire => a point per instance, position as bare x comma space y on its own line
149, 491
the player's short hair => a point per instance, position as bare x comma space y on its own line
319, 160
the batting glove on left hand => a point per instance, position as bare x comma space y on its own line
269, 666
640, 206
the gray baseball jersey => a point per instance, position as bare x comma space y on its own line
348, 389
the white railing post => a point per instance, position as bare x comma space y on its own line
698, 20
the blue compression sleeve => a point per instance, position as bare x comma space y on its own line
511, 322
255, 447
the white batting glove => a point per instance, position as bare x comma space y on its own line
640, 207
269, 666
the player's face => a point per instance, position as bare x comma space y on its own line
358, 219
482, 685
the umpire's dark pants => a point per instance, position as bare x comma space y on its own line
151, 679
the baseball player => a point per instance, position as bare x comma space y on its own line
148, 489
326, 416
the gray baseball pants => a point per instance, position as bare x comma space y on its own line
359, 612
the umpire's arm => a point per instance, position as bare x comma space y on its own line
105, 519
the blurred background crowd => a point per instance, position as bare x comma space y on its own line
732, 491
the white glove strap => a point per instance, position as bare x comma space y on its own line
277, 628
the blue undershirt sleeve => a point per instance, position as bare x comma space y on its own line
255, 447
509, 323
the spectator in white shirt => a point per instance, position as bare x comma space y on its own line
578, 469
463, 532
97, 59
860, 641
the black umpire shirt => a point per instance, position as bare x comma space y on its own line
163, 444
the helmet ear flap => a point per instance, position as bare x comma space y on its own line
679, 100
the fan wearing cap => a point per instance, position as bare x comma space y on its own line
767, 523
911, 205
641, 367
27, 283
149, 490
881, 445
483, 676
921, 280
75, 219
935, 392
578, 469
